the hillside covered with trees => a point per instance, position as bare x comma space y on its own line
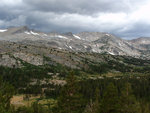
110, 84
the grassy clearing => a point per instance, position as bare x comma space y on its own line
19, 100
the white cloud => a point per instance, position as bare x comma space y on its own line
142, 14
10, 2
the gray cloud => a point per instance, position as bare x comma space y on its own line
82, 6
120, 17
137, 30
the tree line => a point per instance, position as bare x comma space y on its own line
73, 98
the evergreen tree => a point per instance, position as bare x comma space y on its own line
93, 107
6, 93
70, 100
145, 107
128, 101
96, 107
110, 102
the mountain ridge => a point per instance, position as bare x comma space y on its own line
99, 42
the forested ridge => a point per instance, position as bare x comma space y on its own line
111, 87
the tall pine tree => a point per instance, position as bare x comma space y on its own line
6, 93
70, 100
94, 106
128, 100
110, 102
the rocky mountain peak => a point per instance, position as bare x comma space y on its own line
19, 29
141, 40
98, 42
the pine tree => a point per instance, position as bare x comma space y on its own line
70, 100
110, 102
94, 106
145, 107
128, 100
6, 93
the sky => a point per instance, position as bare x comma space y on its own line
127, 19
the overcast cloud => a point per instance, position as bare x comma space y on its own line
125, 18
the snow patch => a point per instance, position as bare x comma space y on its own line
45, 35
85, 46
77, 37
143, 41
70, 47
94, 50
27, 32
119, 44
3, 30
60, 36
33, 33
111, 53
107, 34
59, 48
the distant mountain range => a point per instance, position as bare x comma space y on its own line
97, 42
